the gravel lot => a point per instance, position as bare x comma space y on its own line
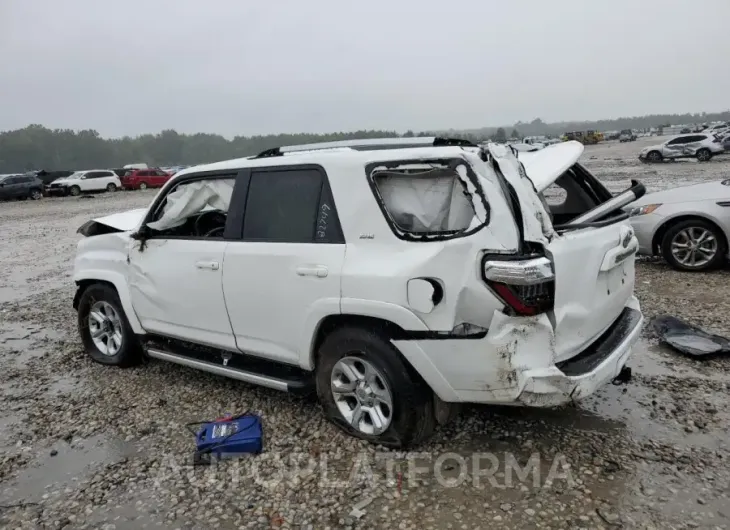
84, 446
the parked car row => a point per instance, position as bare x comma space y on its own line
98, 180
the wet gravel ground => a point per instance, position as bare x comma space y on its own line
85, 446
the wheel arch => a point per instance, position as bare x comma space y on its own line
656, 240
118, 283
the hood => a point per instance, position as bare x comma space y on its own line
696, 192
545, 166
651, 147
118, 222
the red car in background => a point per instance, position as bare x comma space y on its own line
141, 179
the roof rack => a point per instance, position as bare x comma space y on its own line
370, 144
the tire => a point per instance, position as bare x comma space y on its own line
74, 191
125, 349
703, 155
111, 187
36, 194
681, 233
143, 186
410, 418
654, 156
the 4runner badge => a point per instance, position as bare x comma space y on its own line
627, 234
367, 236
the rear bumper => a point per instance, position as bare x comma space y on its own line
513, 364
588, 371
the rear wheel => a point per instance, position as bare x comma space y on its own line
654, 156
143, 185
111, 187
368, 391
694, 245
104, 329
703, 155
74, 191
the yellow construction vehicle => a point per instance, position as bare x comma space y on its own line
586, 138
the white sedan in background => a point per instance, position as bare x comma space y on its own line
688, 226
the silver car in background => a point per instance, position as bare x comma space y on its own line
702, 146
688, 226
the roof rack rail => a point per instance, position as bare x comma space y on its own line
370, 144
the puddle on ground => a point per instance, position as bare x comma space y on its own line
23, 342
74, 462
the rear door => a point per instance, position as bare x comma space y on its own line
286, 266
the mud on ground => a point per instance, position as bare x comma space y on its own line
85, 446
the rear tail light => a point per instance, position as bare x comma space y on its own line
527, 287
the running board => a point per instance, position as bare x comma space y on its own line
285, 385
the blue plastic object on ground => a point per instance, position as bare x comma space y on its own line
231, 436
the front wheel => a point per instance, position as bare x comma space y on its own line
143, 186
105, 332
75, 191
694, 245
111, 187
36, 195
703, 155
654, 156
369, 392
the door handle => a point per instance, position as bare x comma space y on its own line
210, 265
320, 271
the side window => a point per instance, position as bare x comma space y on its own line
290, 206
93, 174
160, 173
143, 173
10, 180
430, 200
194, 209
678, 141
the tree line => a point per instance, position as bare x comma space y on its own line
36, 147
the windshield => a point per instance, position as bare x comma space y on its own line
76, 175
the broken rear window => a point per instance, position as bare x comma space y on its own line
431, 200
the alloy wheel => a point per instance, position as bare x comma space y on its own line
694, 247
105, 327
362, 395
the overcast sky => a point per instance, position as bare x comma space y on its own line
125, 67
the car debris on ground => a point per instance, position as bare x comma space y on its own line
689, 339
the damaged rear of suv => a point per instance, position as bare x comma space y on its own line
396, 277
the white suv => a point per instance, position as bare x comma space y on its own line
702, 146
85, 181
397, 277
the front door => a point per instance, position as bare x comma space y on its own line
175, 278
284, 274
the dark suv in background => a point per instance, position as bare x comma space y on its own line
20, 187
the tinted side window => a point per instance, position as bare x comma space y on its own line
677, 141
10, 180
93, 175
289, 206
